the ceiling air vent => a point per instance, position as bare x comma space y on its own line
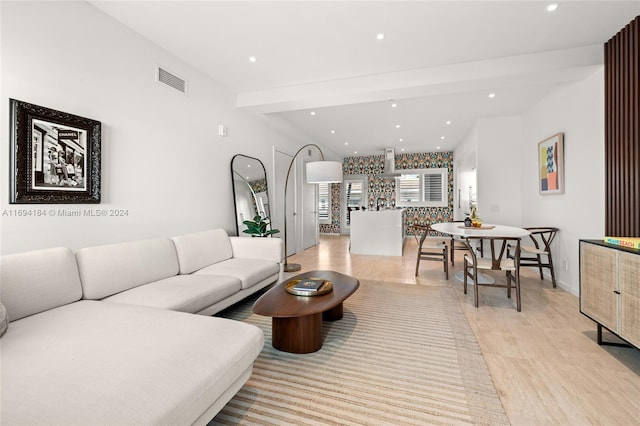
171, 80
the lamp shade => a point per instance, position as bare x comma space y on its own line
324, 172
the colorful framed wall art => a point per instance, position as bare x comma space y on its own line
551, 165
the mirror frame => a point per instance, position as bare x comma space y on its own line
233, 186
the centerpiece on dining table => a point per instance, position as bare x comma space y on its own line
473, 220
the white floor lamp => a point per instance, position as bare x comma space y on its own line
317, 172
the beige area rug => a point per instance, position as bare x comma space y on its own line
402, 355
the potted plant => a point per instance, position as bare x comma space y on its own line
258, 227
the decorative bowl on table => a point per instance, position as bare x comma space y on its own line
326, 287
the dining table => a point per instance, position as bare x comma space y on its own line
459, 230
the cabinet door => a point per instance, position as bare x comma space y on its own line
598, 283
629, 270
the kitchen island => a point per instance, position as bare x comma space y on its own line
377, 232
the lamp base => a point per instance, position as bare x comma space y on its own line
292, 267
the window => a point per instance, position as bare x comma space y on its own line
324, 203
422, 188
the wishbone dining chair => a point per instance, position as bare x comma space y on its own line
538, 255
430, 247
499, 261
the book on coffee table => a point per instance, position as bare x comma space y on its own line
309, 284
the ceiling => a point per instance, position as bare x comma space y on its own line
320, 66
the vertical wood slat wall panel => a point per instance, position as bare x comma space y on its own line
622, 132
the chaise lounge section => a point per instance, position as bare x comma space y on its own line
107, 335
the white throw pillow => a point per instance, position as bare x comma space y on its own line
4, 320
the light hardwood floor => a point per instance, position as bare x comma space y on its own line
545, 362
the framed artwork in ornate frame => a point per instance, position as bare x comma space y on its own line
551, 165
55, 156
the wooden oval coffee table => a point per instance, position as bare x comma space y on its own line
296, 324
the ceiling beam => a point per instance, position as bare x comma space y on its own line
546, 67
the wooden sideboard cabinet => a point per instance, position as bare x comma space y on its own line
610, 288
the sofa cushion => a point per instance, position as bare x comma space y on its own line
36, 281
249, 271
200, 249
184, 293
257, 248
4, 320
93, 362
110, 269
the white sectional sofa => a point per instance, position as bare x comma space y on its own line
108, 335
200, 273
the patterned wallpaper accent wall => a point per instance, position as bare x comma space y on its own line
384, 188
334, 227
429, 160
259, 185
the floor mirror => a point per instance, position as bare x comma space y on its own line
249, 180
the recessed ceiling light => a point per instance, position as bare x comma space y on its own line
393, 105
401, 140
380, 36
355, 152
402, 149
249, 165
252, 59
333, 132
397, 126
441, 137
312, 113
437, 147
448, 121
552, 7
492, 95
346, 143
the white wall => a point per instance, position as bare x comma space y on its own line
464, 169
577, 110
162, 160
493, 147
499, 170
507, 169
